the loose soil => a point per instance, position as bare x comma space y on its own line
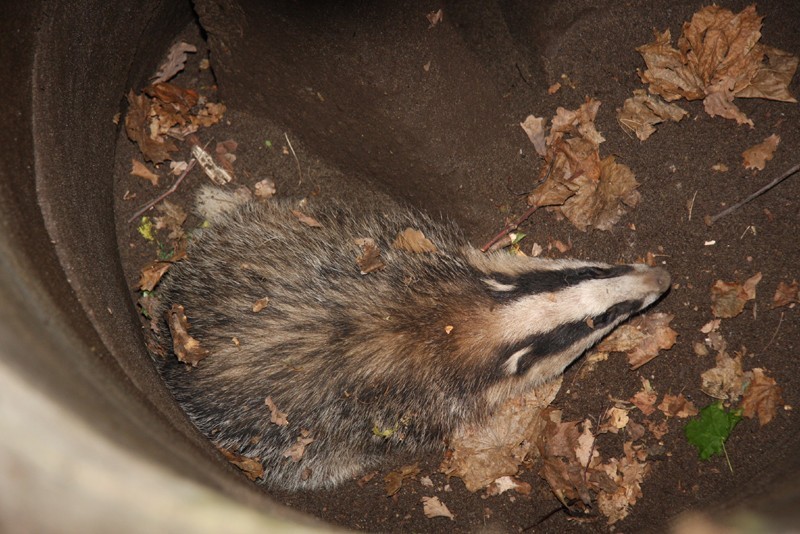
595, 49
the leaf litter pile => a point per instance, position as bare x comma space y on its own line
718, 58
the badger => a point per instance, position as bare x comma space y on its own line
366, 366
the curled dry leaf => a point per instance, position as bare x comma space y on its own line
275, 415
641, 338
727, 379
251, 467
370, 258
627, 474
154, 147
187, 349
306, 219
482, 454
140, 169
265, 189
433, 507
615, 419
641, 112
762, 397
677, 406
757, 156
394, 480
175, 62
152, 274
506, 483
298, 448
412, 240
728, 298
718, 58
785, 294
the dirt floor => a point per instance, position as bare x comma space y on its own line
595, 49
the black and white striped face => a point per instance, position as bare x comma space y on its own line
550, 312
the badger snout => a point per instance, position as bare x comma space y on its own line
655, 279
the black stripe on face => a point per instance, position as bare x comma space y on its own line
563, 336
551, 281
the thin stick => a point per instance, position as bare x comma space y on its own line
780, 321
166, 193
299, 170
761, 191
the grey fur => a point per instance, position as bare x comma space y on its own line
349, 356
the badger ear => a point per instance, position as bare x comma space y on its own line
511, 364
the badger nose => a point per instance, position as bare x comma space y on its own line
661, 278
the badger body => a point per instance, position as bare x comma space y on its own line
369, 365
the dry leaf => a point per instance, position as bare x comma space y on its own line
757, 156
641, 338
677, 406
137, 125
435, 17
615, 419
645, 398
298, 448
394, 480
433, 507
140, 169
176, 168
534, 127
659, 430
215, 173
726, 380
251, 467
275, 415
413, 240
507, 483
482, 454
175, 62
627, 473
152, 274
187, 349
306, 219
728, 298
260, 304
785, 294
762, 397
265, 189
641, 112
370, 258
553, 89
172, 219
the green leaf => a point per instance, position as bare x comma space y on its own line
146, 229
709, 431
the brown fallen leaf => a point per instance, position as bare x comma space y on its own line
275, 415
659, 430
762, 397
481, 454
645, 398
615, 419
306, 219
140, 169
265, 189
187, 349
553, 89
137, 125
394, 480
641, 112
152, 273
785, 294
627, 474
727, 380
250, 466
507, 483
260, 304
728, 298
175, 62
535, 129
433, 507
412, 240
757, 156
298, 448
677, 406
172, 219
641, 338
435, 17
370, 258
718, 58
148, 304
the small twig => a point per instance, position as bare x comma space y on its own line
691, 205
166, 193
726, 457
514, 225
780, 321
299, 170
761, 191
